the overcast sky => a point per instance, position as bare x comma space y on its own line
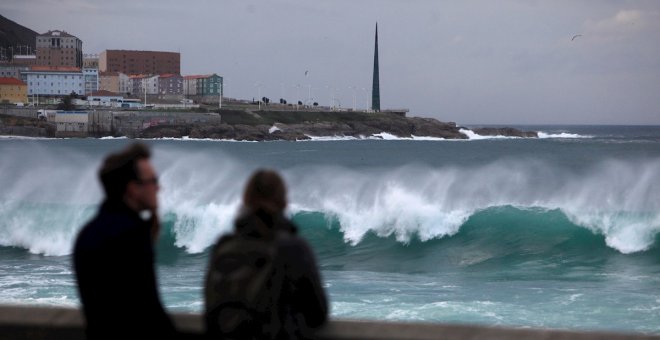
472, 62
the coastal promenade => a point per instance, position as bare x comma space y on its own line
41, 323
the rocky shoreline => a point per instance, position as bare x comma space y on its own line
270, 126
245, 125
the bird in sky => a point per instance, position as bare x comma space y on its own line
576, 36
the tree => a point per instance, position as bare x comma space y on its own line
66, 103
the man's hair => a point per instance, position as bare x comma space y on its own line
265, 190
120, 168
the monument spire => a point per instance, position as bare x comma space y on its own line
375, 88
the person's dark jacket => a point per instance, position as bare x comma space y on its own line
114, 265
302, 305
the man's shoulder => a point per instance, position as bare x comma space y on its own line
104, 226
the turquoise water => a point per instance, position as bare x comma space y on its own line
558, 232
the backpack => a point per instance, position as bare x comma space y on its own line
241, 294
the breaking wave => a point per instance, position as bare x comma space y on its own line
617, 202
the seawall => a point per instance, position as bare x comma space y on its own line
37, 323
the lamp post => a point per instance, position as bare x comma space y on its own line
353, 88
366, 103
220, 94
144, 86
309, 97
258, 85
297, 94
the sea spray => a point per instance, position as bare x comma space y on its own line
201, 193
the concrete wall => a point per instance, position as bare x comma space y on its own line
20, 112
37, 323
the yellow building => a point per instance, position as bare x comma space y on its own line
13, 91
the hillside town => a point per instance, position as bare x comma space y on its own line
57, 67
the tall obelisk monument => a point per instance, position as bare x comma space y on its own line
375, 88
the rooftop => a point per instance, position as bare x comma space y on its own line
10, 81
57, 33
55, 68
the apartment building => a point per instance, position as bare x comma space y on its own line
91, 80
54, 81
116, 82
140, 62
202, 85
59, 48
13, 91
170, 84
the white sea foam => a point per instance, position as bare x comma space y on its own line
561, 135
620, 200
331, 138
188, 139
425, 138
474, 136
25, 137
113, 138
376, 136
387, 136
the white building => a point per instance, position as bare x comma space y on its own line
124, 83
91, 80
142, 83
72, 121
151, 83
54, 81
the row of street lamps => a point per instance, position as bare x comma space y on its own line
310, 99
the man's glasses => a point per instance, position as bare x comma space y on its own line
153, 180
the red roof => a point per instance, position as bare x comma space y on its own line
11, 81
169, 75
197, 76
55, 68
104, 93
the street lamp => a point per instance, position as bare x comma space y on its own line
258, 86
298, 86
220, 93
366, 102
353, 88
309, 97
332, 101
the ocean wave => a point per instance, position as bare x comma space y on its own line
201, 194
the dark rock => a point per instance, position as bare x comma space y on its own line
505, 131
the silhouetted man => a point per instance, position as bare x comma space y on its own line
114, 254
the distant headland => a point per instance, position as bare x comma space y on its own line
238, 121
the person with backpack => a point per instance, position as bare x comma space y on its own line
262, 280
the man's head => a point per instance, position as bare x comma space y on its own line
128, 176
265, 190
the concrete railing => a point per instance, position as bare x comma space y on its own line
36, 323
